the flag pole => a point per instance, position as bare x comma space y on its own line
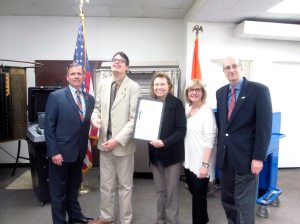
84, 188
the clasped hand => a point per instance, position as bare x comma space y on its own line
157, 143
109, 145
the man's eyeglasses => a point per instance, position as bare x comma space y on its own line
196, 90
228, 67
119, 60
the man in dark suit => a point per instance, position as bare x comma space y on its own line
66, 131
243, 140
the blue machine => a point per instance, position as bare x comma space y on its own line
268, 193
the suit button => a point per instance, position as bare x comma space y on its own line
226, 134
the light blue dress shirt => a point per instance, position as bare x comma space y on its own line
73, 91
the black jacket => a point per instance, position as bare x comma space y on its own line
172, 134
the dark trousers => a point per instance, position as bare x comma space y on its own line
198, 188
64, 183
238, 195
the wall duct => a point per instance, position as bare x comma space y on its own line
268, 30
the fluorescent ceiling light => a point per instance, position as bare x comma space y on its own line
286, 7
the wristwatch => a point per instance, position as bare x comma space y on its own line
206, 165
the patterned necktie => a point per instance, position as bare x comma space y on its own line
231, 103
79, 104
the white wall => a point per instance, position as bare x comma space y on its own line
53, 38
146, 41
275, 63
160, 41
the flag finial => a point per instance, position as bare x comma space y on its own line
197, 28
196, 71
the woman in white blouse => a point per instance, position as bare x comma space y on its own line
199, 144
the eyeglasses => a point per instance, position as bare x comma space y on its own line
197, 90
119, 60
228, 67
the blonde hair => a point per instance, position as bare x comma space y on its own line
190, 85
160, 75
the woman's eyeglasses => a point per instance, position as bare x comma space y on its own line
196, 90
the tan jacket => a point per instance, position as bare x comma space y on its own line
122, 114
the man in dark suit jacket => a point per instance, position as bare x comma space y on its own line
243, 140
66, 134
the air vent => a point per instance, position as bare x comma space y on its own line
267, 30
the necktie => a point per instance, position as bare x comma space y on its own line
79, 104
113, 93
231, 103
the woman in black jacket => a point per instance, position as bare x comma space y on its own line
167, 152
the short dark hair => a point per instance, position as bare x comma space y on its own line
73, 64
123, 55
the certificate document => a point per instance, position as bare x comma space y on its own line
148, 119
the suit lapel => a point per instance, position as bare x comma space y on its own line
121, 91
88, 107
86, 100
224, 105
71, 100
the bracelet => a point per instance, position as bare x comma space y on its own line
206, 165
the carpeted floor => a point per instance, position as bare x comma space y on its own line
22, 182
19, 204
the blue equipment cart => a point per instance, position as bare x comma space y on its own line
268, 193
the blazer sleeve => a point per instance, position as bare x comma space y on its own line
51, 114
263, 123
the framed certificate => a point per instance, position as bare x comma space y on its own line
148, 119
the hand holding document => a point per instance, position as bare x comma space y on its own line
148, 119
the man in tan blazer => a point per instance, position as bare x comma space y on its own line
114, 114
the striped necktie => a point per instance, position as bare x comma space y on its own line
79, 104
231, 102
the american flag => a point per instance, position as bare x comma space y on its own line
80, 57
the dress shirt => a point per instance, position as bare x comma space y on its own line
73, 91
237, 90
